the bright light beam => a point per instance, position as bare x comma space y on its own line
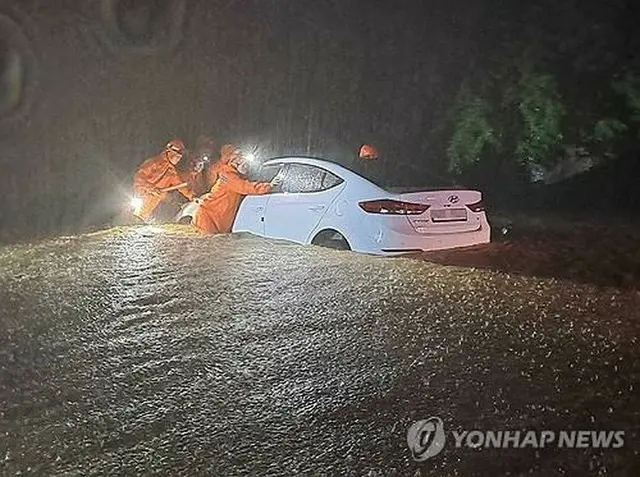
136, 204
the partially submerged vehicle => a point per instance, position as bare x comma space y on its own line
323, 203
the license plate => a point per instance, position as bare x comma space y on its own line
448, 215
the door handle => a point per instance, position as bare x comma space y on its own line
316, 208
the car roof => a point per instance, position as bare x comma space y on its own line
310, 161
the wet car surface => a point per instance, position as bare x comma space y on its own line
152, 351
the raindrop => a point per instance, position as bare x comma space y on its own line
11, 77
16, 67
144, 26
140, 21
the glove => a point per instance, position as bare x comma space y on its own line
277, 181
198, 167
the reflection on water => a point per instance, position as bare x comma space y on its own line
156, 351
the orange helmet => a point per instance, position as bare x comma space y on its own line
368, 152
229, 152
175, 145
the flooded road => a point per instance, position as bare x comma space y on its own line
141, 351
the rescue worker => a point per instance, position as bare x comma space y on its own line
155, 175
368, 153
196, 173
219, 207
367, 164
228, 153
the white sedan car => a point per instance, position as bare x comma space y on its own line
323, 203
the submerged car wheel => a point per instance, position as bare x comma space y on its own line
331, 239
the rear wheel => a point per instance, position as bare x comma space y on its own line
331, 239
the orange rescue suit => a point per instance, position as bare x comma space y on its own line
226, 156
220, 206
155, 174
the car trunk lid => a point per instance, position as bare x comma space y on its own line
448, 210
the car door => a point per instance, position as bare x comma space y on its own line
250, 216
307, 193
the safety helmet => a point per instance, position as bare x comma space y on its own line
175, 145
368, 152
229, 152
229, 149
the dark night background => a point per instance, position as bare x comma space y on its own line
89, 89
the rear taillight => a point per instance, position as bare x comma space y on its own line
394, 207
476, 206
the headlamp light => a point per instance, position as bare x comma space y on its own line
136, 204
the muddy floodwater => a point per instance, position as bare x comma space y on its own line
143, 351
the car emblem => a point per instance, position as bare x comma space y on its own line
454, 199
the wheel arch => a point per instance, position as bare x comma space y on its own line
327, 230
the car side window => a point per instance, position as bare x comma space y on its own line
265, 174
330, 180
301, 178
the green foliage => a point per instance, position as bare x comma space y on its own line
542, 112
618, 123
608, 130
518, 107
472, 132
629, 87
523, 121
